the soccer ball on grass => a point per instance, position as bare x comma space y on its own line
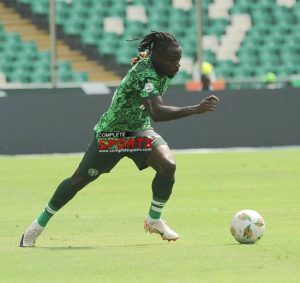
247, 226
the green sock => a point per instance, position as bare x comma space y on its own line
156, 208
46, 215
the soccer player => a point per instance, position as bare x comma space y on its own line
137, 99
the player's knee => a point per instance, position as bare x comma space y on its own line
168, 168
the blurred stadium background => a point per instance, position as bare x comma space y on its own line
54, 52
243, 40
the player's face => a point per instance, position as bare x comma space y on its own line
167, 63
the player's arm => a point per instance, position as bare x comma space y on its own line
158, 111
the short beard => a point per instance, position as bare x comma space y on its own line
172, 76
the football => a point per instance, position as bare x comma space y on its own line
247, 226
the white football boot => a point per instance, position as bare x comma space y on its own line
160, 227
31, 234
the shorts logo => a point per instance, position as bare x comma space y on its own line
93, 172
149, 87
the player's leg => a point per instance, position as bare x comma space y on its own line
66, 190
91, 167
162, 161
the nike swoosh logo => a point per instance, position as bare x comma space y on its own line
158, 232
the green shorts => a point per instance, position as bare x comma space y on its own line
96, 162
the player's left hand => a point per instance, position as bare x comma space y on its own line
209, 103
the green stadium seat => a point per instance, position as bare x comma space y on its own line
12, 46
90, 38
243, 72
125, 53
25, 1
79, 77
276, 37
262, 19
157, 19
12, 39
94, 21
284, 27
289, 58
259, 71
108, 43
5, 65
247, 58
116, 10
41, 66
29, 50
10, 55
105, 49
62, 14
178, 16
134, 28
18, 75
25, 64
64, 75
153, 25
256, 38
73, 25
225, 69
140, 2
285, 70
43, 57
265, 5
249, 49
39, 77
272, 40
239, 9
177, 30
261, 28
282, 14
40, 7
224, 73
80, 9
216, 27
64, 66
29, 46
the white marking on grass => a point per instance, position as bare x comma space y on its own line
175, 151
233, 149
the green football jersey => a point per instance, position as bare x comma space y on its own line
127, 112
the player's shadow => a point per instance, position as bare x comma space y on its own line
100, 247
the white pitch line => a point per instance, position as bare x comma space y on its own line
175, 151
233, 149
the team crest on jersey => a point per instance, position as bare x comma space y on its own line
149, 87
93, 172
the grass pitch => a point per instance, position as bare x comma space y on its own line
99, 237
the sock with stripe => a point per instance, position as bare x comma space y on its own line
162, 189
46, 215
156, 209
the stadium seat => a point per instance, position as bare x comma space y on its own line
40, 77
272, 39
73, 25
125, 53
79, 77
40, 7
134, 28
18, 75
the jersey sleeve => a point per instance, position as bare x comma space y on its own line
149, 87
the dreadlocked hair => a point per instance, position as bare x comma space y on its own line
153, 41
